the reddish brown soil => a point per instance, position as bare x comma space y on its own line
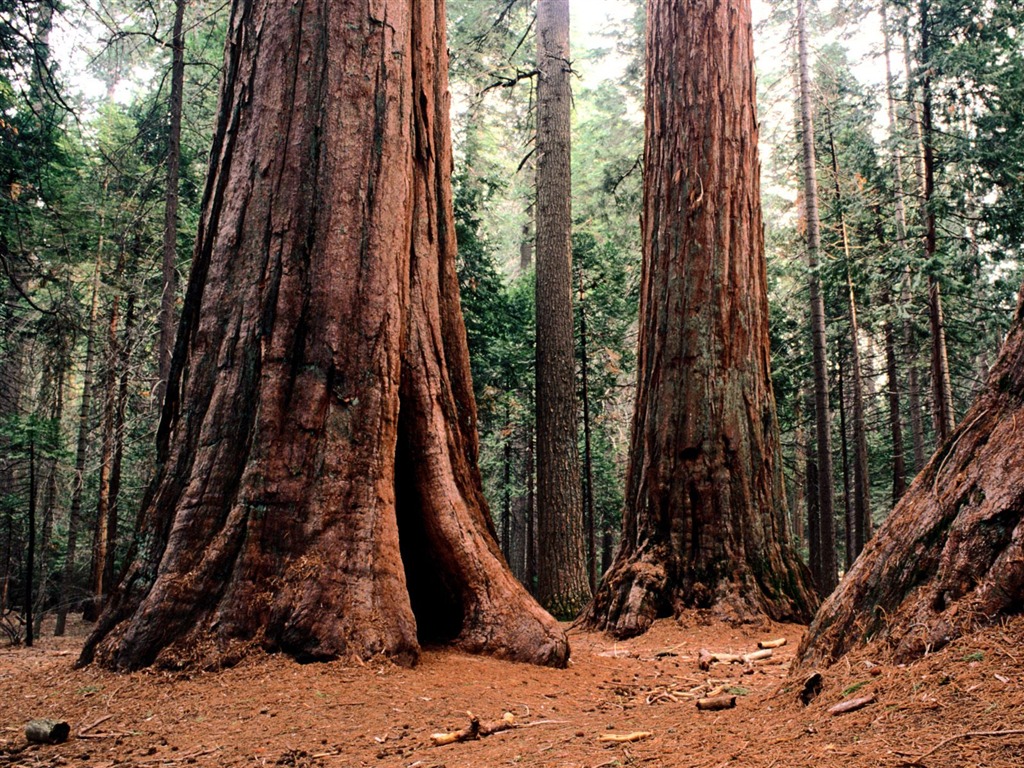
270, 711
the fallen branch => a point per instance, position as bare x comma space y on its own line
778, 643
706, 658
474, 730
715, 703
104, 735
93, 724
852, 705
968, 735
624, 738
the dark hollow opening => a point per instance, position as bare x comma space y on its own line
435, 589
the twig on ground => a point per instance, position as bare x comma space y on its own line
968, 735
93, 724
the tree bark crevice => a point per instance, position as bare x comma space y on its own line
316, 477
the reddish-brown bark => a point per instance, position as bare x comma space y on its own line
317, 490
951, 554
705, 517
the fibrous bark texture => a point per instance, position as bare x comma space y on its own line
562, 585
317, 490
951, 554
705, 517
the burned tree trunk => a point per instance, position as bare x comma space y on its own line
949, 556
317, 490
705, 517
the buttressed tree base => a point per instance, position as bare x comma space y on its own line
704, 524
950, 556
317, 490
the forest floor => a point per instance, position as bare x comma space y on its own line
271, 711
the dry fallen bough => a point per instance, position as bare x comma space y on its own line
474, 730
624, 738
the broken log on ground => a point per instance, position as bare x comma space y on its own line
47, 731
716, 703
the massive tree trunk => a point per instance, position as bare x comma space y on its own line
825, 575
317, 490
562, 585
949, 556
705, 517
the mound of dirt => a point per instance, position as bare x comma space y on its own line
963, 706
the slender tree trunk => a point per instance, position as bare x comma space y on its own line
520, 507
799, 510
588, 463
531, 513
103, 544
526, 243
67, 586
849, 514
899, 470
941, 386
30, 561
705, 515
50, 498
506, 489
899, 464
119, 437
861, 480
826, 579
561, 568
910, 340
813, 516
317, 490
169, 273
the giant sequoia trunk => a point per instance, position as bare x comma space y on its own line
951, 554
705, 517
317, 490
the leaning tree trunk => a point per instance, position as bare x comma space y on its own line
705, 517
317, 490
950, 556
